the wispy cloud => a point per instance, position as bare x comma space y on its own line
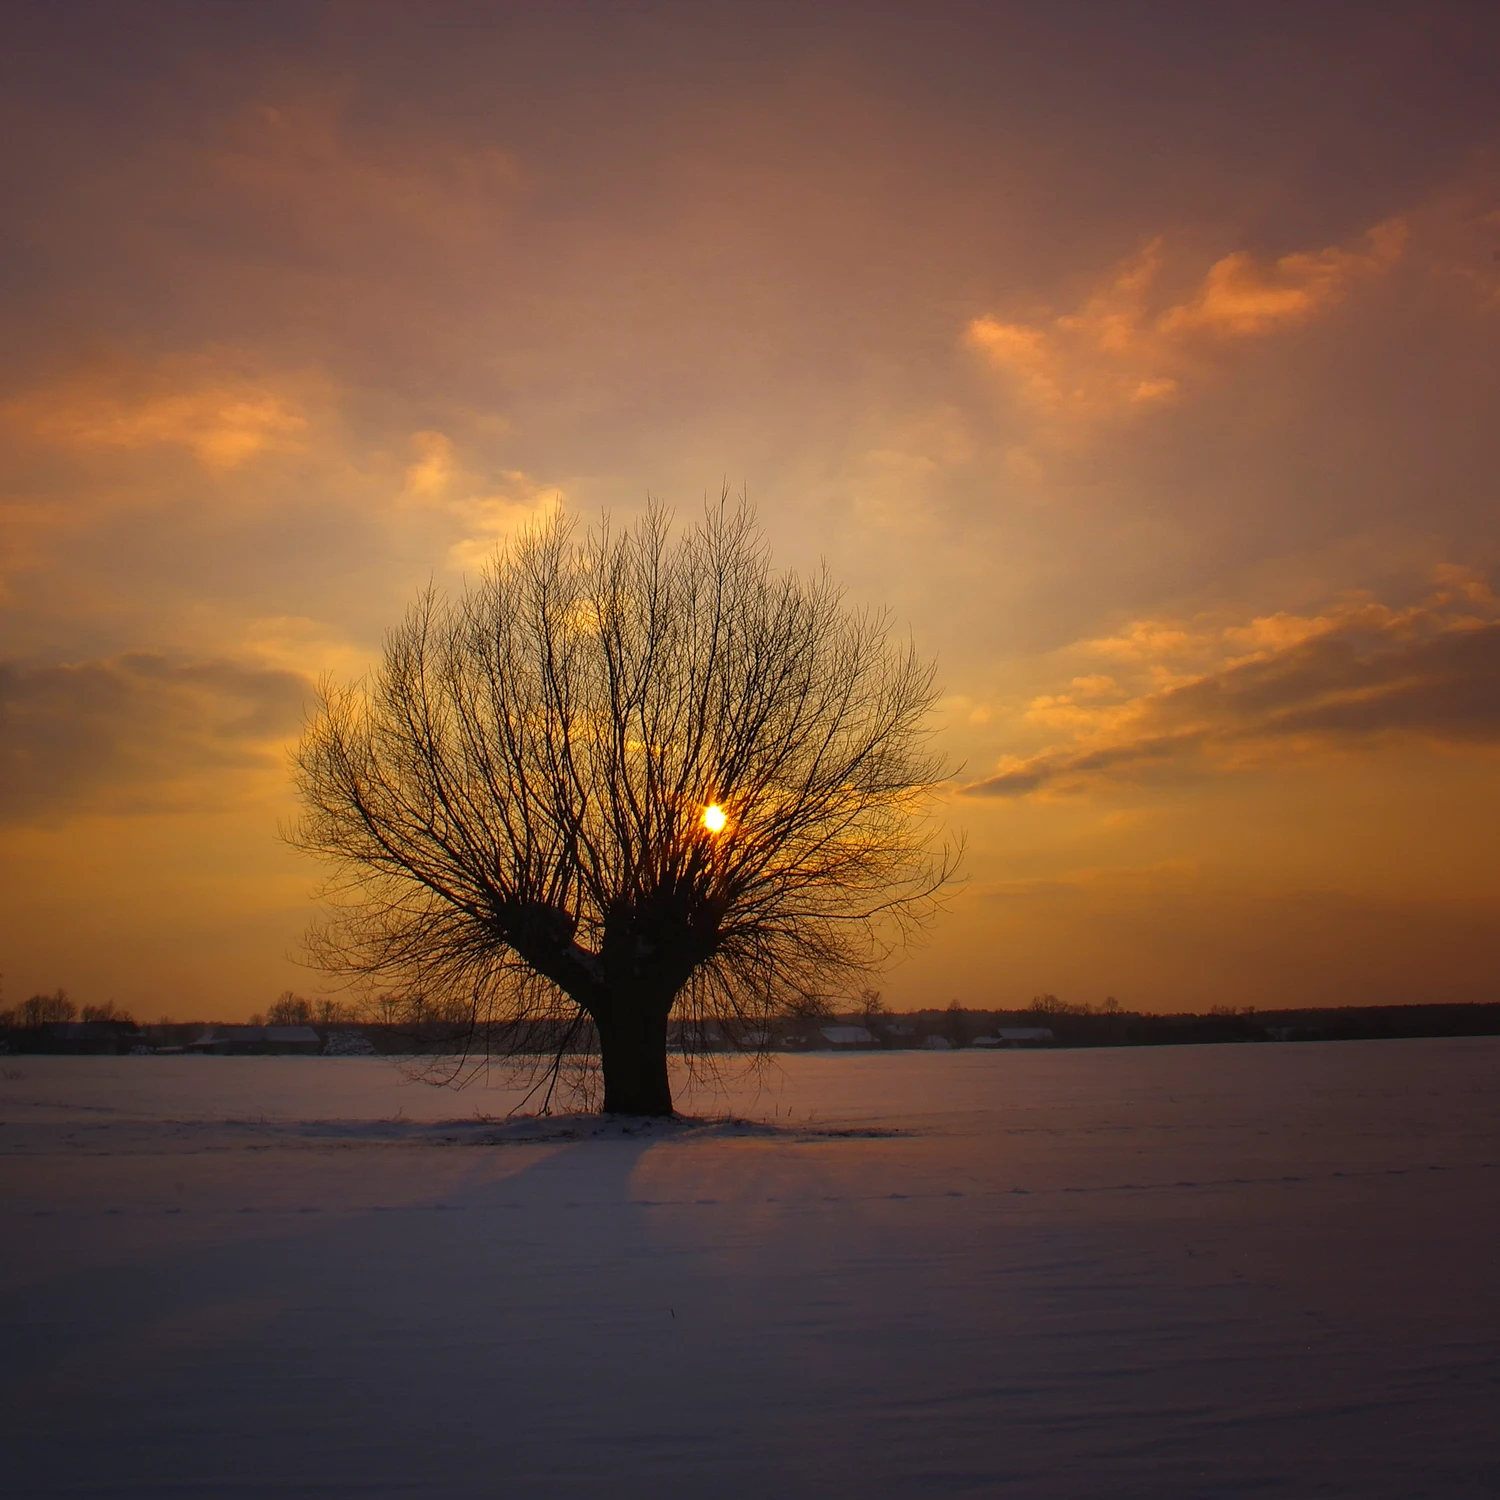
1184, 699
1128, 347
129, 732
485, 509
294, 157
1176, 875
304, 646
203, 404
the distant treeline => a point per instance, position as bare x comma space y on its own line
48, 1024
56, 1008
1111, 1026
1312, 1024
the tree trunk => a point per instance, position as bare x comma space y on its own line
633, 1052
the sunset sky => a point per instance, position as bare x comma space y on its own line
1141, 357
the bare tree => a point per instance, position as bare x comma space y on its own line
620, 779
42, 1010
109, 1011
289, 1009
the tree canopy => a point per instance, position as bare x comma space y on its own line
620, 778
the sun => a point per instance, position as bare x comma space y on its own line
714, 818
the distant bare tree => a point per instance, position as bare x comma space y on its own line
619, 779
1050, 1005
42, 1010
289, 1009
811, 1008
329, 1012
872, 1011
109, 1011
956, 1024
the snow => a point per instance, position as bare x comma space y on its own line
847, 1036
1168, 1272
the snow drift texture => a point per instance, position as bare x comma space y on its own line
1172, 1272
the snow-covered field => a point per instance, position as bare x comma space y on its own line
1222, 1271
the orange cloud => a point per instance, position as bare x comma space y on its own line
132, 733
294, 158
196, 403
486, 510
1240, 299
1122, 351
1204, 699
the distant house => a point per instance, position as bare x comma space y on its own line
936, 1043
110, 1038
844, 1038
240, 1041
1025, 1036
